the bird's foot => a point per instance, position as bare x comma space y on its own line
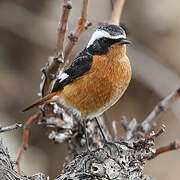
111, 145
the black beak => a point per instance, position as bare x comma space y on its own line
124, 41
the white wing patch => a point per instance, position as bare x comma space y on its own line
101, 33
63, 76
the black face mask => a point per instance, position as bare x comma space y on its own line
102, 45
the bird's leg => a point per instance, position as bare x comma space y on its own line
102, 133
86, 137
106, 142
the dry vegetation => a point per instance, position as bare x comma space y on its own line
121, 158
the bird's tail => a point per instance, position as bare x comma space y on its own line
43, 100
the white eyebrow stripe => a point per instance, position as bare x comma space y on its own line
63, 76
101, 33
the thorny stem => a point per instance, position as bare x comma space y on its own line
117, 11
161, 107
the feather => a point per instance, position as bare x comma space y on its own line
45, 99
80, 65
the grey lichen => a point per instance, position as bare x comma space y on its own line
7, 168
122, 160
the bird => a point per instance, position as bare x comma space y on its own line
97, 77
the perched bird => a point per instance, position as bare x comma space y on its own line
96, 78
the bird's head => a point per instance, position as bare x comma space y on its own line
106, 37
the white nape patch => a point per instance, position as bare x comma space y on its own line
63, 76
101, 33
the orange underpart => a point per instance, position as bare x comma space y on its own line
102, 85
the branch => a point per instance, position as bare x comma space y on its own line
53, 112
70, 129
10, 128
24, 145
76, 34
62, 28
121, 160
161, 107
114, 126
172, 146
7, 171
117, 11
51, 69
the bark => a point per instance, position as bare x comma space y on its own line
7, 168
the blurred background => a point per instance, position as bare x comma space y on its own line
28, 37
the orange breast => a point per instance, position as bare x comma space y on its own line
99, 88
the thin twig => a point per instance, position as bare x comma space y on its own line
124, 123
161, 107
52, 67
26, 137
76, 34
160, 131
117, 11
157, 134
114, 126
132, 126
172, 146
10, 128
62, 28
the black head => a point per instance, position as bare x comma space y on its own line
105, 36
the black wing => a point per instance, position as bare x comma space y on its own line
80, 65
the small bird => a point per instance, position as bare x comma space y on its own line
96, 78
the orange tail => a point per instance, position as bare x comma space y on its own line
41, 101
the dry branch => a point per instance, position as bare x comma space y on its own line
51, 69
76, 34
172, 146
132, 128
157, 134
120, 160
24, 146
114, 126
161, 107
62, 28
10, 128
117, 11
49, 74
